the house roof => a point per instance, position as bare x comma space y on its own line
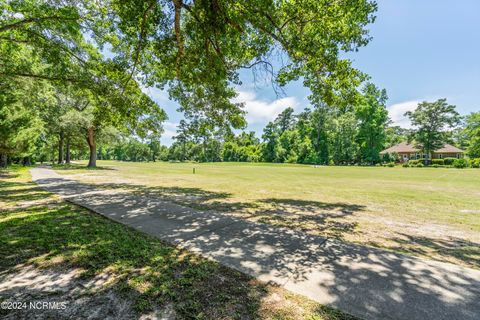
405, 147
402, 147
448, 148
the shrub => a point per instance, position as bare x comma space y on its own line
449, 161
460, 163
405, 165
292, 159
413, 162
440, 162
419, 165
391, 164
475, 163
386, 157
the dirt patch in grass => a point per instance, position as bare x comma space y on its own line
58, 252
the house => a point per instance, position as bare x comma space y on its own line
407, 151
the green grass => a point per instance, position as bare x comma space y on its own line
430, 212
36, 228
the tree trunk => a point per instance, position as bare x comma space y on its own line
92, 161
67, 152
27, 161
61, 139
184, 152
3, 160
204, 150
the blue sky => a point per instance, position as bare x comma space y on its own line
421, 50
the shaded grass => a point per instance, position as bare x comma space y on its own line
57, 234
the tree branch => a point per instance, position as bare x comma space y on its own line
18, 24
42, 77
141, 39
178, 34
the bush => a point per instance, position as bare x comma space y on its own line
419, 165
449, 161
440, 162
460, 163
405, 165
391, 164
413, 162
475, 163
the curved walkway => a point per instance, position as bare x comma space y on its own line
366, 282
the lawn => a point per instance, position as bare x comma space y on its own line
104, 268
428, 212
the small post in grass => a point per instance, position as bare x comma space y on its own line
193, 170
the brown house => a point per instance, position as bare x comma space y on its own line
407, 151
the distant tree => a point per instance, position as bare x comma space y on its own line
472, 134
396, 134
270, 137
321, 120
373, 118
281, 138
306, 151
243, 147
285, 120
289, 144
344, 148
153, 141
182, 137
432, 121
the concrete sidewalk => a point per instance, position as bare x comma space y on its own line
365, 282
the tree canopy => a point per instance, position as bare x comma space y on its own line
432, 121
472, 134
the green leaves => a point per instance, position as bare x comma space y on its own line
432, 119
19, 126
472, 134
198, 47
373, 118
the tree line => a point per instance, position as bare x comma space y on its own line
333, 136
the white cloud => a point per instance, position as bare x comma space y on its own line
156, 94
398, 110
261, 111
169, 131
